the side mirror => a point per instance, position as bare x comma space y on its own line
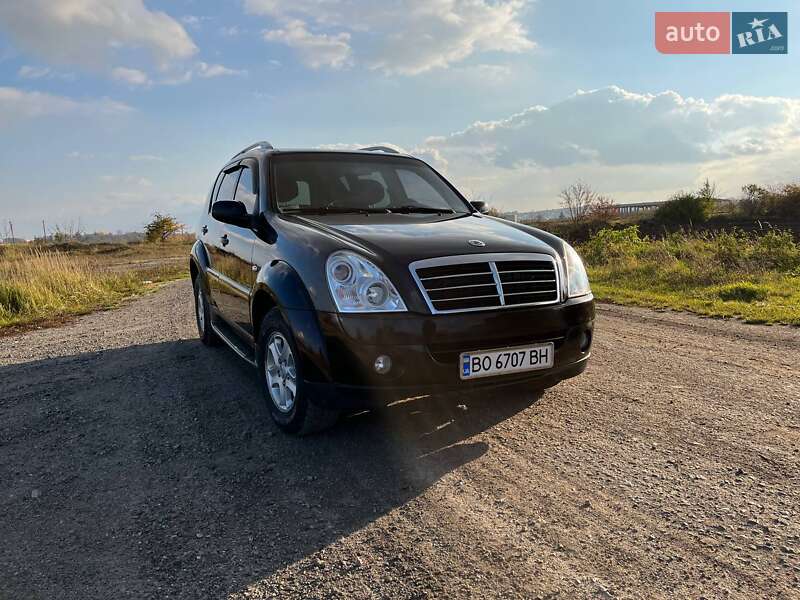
480, 206
231, 212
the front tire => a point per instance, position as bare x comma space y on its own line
280, 372
202, 313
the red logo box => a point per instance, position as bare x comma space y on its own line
693, 32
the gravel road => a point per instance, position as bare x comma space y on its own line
136, 463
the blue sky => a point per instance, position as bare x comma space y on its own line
112, 109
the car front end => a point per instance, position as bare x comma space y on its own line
481, 319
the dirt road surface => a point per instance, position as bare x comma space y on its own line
136, 463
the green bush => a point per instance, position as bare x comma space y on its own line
777, 249
762, 203
786, 204
685, 208
609, 245
731, 249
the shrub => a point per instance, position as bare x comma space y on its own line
608, 245
777, 249
786, 203
755, 202
781, 202
742, 292
731, 249
685, 208
161, 228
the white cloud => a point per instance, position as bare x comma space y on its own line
314, 50
632, 146
614, 126
38, 72
231, 31
402, 37
193, 21
202, 70
208, 71
90, 33
29, 72
17, 104
131, 77
126, 180
146, 158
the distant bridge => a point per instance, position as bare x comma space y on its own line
637, 207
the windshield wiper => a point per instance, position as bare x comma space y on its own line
334, 210
425, 210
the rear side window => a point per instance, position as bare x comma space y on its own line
227, 188
244, 190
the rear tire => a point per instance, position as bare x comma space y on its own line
202, 313
280, 372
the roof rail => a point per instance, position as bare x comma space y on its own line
380, 149
265, 145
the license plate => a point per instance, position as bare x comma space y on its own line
508, 360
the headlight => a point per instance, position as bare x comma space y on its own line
359, 286
577, 279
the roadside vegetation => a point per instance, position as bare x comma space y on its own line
755, 277
41, 283
718, 257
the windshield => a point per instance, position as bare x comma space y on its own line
354, 183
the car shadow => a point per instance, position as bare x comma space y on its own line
155, 471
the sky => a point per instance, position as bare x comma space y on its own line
111, 110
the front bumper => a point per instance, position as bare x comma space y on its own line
425, 350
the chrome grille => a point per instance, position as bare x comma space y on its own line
487, 281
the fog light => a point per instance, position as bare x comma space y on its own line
586, 340
383, 364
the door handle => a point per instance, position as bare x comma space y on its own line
204, 229
224, 239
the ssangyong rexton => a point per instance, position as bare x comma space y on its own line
350, 278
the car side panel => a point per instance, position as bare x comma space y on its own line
235, 278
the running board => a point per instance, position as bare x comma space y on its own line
224, 333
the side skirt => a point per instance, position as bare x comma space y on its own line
227, 335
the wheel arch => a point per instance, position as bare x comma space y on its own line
263, 302
279, 286
198, 263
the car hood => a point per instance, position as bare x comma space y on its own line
416, 237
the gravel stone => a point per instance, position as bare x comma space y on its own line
160, 475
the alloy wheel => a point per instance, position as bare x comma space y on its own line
281, 372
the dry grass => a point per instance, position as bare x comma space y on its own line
41, 284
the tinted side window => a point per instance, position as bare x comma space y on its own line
215, 190
244, 190
228, 186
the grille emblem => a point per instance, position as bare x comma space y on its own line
476, 243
